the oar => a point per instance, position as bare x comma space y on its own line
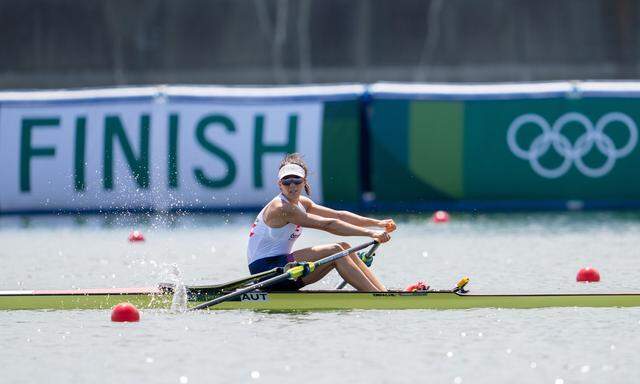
368, 255
213, 288
236, 283
292, 273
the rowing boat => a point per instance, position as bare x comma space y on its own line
161, 297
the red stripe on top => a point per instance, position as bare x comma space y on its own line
90, 291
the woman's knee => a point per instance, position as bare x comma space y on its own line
344, 245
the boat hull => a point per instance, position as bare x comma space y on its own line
317, 300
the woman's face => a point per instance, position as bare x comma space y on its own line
292, 186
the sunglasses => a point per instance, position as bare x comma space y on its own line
293, 180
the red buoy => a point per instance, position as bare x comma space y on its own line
440, 217
588, 275
125, 312
136, 236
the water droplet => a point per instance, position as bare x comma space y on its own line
479, 334
463, 334
184, 379
449, 354
213, 249
287, 368
559, 381
457, 380
533, 364
425, 254
149, 359
509, 350
255, 374
612, 347
585, 369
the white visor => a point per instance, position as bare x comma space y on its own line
291, 170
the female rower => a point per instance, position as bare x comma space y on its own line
280, 223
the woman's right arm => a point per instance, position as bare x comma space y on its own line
335, 226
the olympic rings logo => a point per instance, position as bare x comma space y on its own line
573, 153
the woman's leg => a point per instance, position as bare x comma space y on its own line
346, 266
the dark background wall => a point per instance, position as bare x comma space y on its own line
74, 43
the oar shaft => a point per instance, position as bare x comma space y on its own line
344, 253
372, 251
237, 283
242, 291
341, 285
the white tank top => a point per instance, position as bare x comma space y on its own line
265, 241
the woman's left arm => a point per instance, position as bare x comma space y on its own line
388, 224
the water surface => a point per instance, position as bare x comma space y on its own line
513, 253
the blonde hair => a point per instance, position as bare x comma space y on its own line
296, 158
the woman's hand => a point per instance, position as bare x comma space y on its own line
381, 236
388, 224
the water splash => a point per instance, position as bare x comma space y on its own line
179, 300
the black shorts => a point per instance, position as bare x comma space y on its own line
278, 261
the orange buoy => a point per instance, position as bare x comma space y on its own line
136, 236
125, 312
440, 217
588, 275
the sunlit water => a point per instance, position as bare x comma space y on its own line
501, 253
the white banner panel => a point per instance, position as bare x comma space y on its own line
229, 155
71, 156
118, 154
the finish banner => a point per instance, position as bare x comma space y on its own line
545, 142
166, 152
